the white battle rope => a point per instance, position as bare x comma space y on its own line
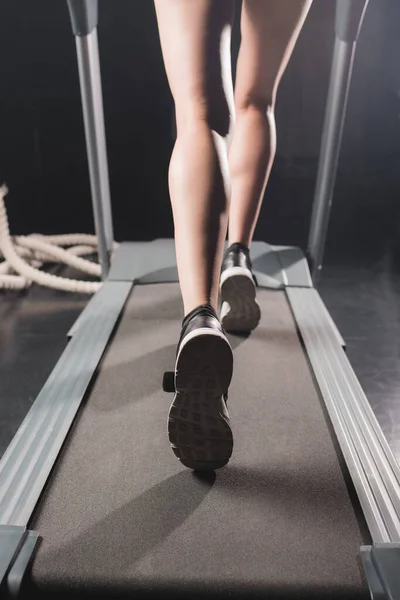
21, 258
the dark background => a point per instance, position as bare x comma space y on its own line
42, 147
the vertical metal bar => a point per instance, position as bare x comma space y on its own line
349, 18
92, 104
343, 58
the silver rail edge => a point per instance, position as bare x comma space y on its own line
371, 464
28, 460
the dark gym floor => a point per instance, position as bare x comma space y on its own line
363, 300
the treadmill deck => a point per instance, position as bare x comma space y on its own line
124, 515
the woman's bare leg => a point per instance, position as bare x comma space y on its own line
270, 29
195, 39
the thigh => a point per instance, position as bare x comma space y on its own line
270, 29
195, 40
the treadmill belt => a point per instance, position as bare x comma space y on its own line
121, 515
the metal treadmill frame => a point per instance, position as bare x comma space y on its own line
27, 463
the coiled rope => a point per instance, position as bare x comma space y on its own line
22, 257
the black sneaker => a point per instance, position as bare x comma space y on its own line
198, 423
239, 310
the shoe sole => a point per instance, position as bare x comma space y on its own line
198, 423
240, 312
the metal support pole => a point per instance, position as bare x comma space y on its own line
343, 57
349, 16
84, 23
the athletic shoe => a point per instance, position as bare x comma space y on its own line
198, 423
240, 312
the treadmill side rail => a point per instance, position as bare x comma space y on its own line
381, 564
318, 300
20, 567
10, 541
28, 460
370, 462
294, 266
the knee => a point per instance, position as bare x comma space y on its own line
263, 104
214, 112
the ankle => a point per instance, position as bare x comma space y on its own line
201, 308
200, 317
239, 246
194, 306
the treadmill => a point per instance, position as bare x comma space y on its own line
93, 503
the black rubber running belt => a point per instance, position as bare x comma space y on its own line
121, 516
